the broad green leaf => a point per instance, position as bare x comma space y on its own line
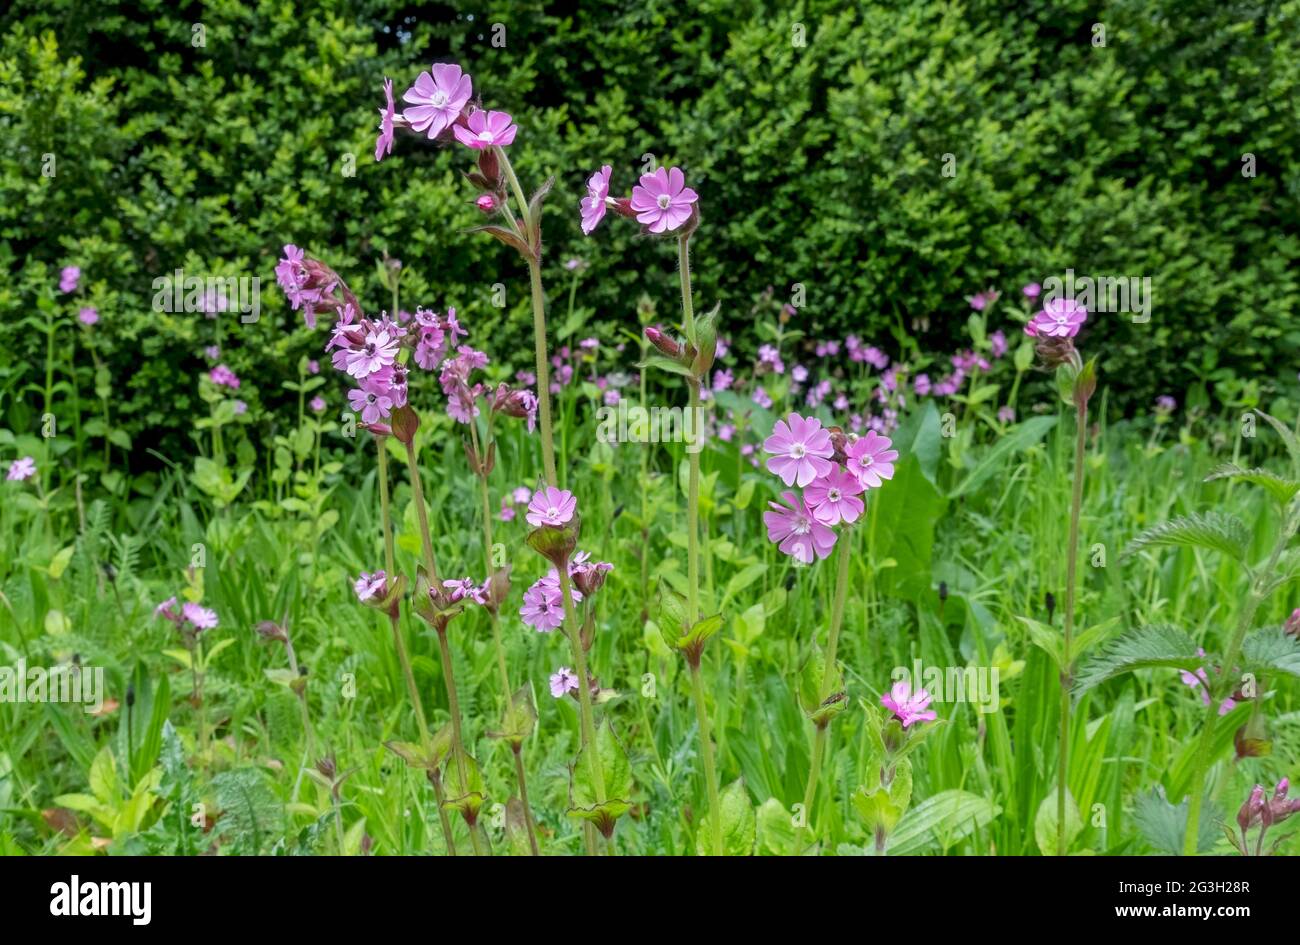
1046, 638
775, 829
1163, 824
739, 824
1045, 823
944, 819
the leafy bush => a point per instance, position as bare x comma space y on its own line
821, 163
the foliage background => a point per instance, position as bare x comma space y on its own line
817, 164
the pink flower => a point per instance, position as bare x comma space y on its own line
1006, 414
507, 511
1060, 318
563, 680
871, 459
437, 98
593, 205
378, 352
486, 130
21, 469
834, 497
801, 448
762, 398
203, 618
167, 609
1032, 290
543, 609
796, 530
223, 376
69, 278
921, 384
371, 405
317, 404
551, 506
980, 300
521, 495
487, 203
998, 344
384, 143
908, 708
662, 200
465, 589
88, 315
371, 585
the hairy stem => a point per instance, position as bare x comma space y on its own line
1071, 567
706, 749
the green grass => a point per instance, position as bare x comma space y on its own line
996, 542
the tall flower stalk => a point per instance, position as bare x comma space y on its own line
1054, 329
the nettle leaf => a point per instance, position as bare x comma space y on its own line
1163, 824
739, 824
1282, 490
1214, 530
1288, 438
1151, 646
1271, 648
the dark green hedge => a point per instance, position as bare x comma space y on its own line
819, 164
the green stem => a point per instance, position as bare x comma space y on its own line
543, 372
523, 798
828, 680
706, 748
574, 633
1071, 566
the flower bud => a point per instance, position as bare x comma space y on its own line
487, 203
405, 422
490, 167
1251, 810
1292, 626
664, 343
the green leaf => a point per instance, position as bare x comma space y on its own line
1021, 438
1282, 490
907, 510
775, 829
741, 580
880, 807
1045, 823
943, 818
1046, 638
739, 824
59, 563
617, 771
1271, 648
665, 364
1288, 438
1151, 646
821, 706
1217, 531
1163, 824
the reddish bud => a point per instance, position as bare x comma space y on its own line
661, 341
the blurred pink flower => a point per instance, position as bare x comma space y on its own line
384, 143
1060, 318
88, 315
21, 469
371, 585
563, 680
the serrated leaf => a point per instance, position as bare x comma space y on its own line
1163, 824
1273, 649
1288, 438
1282, 490
1217, 531
1151, 646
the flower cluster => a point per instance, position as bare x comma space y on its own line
543, 607
312, 286
833, 469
